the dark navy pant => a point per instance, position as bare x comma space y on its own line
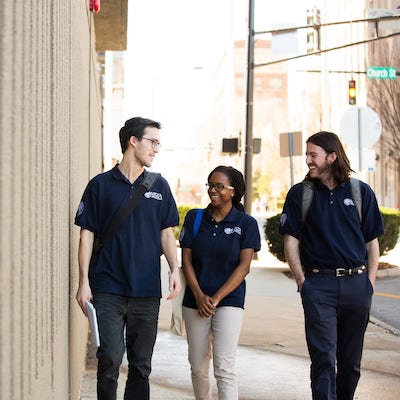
138, 317
336, 312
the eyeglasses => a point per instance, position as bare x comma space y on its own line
155, 144
219, 187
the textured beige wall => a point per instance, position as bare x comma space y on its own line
50, 144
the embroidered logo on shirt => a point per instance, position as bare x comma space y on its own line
153, 195
236, 229
348, 202
283, 219
81, 207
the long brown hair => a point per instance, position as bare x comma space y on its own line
331, 144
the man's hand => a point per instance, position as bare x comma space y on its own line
83, 295
175, 284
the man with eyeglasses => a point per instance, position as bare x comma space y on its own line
123, 279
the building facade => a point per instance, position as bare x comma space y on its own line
50, 145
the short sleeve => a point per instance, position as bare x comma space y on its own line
86, 214
372, 224
186, 236
251, 235
290, 220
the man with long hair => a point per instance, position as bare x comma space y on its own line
333, 254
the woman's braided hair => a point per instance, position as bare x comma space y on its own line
236, 180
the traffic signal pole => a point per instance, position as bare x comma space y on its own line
248, 150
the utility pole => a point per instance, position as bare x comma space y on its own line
248, 150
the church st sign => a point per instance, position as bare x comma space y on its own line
381, 72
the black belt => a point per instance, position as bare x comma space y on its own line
338, 272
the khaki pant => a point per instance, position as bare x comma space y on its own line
216, 337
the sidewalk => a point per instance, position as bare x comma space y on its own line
272, 358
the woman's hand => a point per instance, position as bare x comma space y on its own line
205, 305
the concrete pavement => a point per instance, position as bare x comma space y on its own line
272, 358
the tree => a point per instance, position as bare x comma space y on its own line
384, 94
384, 98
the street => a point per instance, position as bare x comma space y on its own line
386, 301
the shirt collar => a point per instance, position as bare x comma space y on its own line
231, 217
320, 186
118, 175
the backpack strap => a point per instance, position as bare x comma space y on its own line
355, 187
197, 221
119, 217
149, 179
307, 196
308, 193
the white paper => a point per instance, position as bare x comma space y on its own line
94, 329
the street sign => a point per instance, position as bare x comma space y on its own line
383, 18
381, 72
360, 127
230, 145
284, 42
290, 144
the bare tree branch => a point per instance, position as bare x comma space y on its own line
384, 95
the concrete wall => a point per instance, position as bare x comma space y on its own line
50, 144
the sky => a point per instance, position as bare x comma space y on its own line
174, 45
174, 50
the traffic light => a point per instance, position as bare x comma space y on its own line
313, 30
352, 92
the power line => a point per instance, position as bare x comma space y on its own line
326, 50
316, 26
337, 71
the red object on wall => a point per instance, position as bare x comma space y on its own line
94, 5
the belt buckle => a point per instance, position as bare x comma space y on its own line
340, 272
359, 270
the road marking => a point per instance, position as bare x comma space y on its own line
393, 296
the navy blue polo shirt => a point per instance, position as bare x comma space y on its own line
216, 250
332, 235
129, 262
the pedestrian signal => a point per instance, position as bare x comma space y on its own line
352, 92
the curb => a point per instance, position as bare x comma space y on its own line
384, 326
388, 272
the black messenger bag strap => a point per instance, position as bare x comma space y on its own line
125, 210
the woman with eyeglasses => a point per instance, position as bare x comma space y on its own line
217, 251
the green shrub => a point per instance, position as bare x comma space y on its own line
182, 210
391, 222
274, 238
